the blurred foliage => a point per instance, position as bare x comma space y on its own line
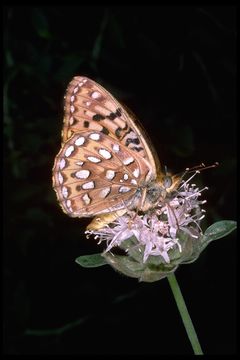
175, 68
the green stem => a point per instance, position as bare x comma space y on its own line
192, 335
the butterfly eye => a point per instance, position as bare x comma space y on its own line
167, 182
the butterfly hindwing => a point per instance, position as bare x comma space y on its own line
94, 174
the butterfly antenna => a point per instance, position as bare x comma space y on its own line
201, 167
197, 169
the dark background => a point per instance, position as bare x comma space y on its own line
175, 68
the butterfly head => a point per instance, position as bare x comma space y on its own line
168, 183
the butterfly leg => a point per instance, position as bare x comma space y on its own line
102, 220
140, 207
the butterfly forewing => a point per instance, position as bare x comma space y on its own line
105, 157
89, 106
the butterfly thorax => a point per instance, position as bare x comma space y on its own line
154, 192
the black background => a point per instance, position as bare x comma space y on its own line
175, 68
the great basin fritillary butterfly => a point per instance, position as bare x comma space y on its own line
106, 165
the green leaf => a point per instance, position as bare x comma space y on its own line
147, 272
70, 65
220, 229
99, 39
89, 261
9, 58
40, 23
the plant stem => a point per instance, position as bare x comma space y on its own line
192, 335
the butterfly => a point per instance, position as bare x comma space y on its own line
106, 165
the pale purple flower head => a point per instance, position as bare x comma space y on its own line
163, 237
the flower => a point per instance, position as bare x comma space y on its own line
156, 242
